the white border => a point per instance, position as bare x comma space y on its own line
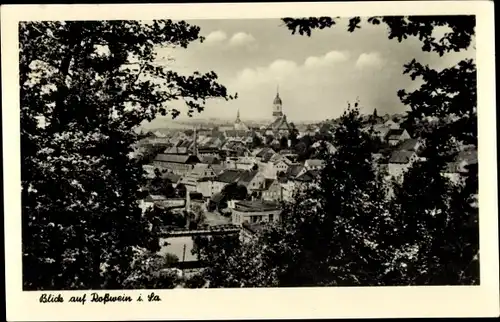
260, 303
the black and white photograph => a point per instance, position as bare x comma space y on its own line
301, 151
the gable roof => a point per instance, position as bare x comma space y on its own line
176, 150
294, 169
247, 176
176, 158
401, 156
279, 124
408, 145
200, 169
218, 168
268, 183
264, 151
307, 176
314, 162
268, 156
394, 134
230, 175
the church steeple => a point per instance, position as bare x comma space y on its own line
277, 105
238, 116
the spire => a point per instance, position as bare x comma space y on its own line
238, 116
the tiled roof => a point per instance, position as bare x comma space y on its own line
230, 176
268, 183
294, 170
236, 133
314, 162
401, 156
308, 176
209, 159
256, 205
218, 168
394, 134
176, 150
408, 145
267, 157
264, 151
176, 158
247, 176
279, 123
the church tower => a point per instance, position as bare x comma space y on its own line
277, 106
238, 117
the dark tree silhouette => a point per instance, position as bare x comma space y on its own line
93, 83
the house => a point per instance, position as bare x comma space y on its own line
208, 151
391, 124
281, 165
210, 159
255, 211
272, 190
161, 202
329, 147
381, 130
176, 150
314, 164
204, 186
265, 153
396, 136
252, 180
307, 177
202, 170
294, 170
410, 145
175, 163
291, 184
226, 177
400, 161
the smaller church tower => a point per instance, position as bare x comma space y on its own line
277, 106
195, 143
238, 117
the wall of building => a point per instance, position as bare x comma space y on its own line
238, 217
205, 188
176, 168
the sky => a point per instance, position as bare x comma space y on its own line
317, 76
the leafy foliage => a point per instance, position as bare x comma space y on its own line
85, 87
343, 229
402, 27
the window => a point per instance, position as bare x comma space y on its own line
271, 217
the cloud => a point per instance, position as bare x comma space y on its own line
328, 59
283, 70
241, 39
215, 37
275, 72
369, 60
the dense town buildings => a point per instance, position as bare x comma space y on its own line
215, 162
